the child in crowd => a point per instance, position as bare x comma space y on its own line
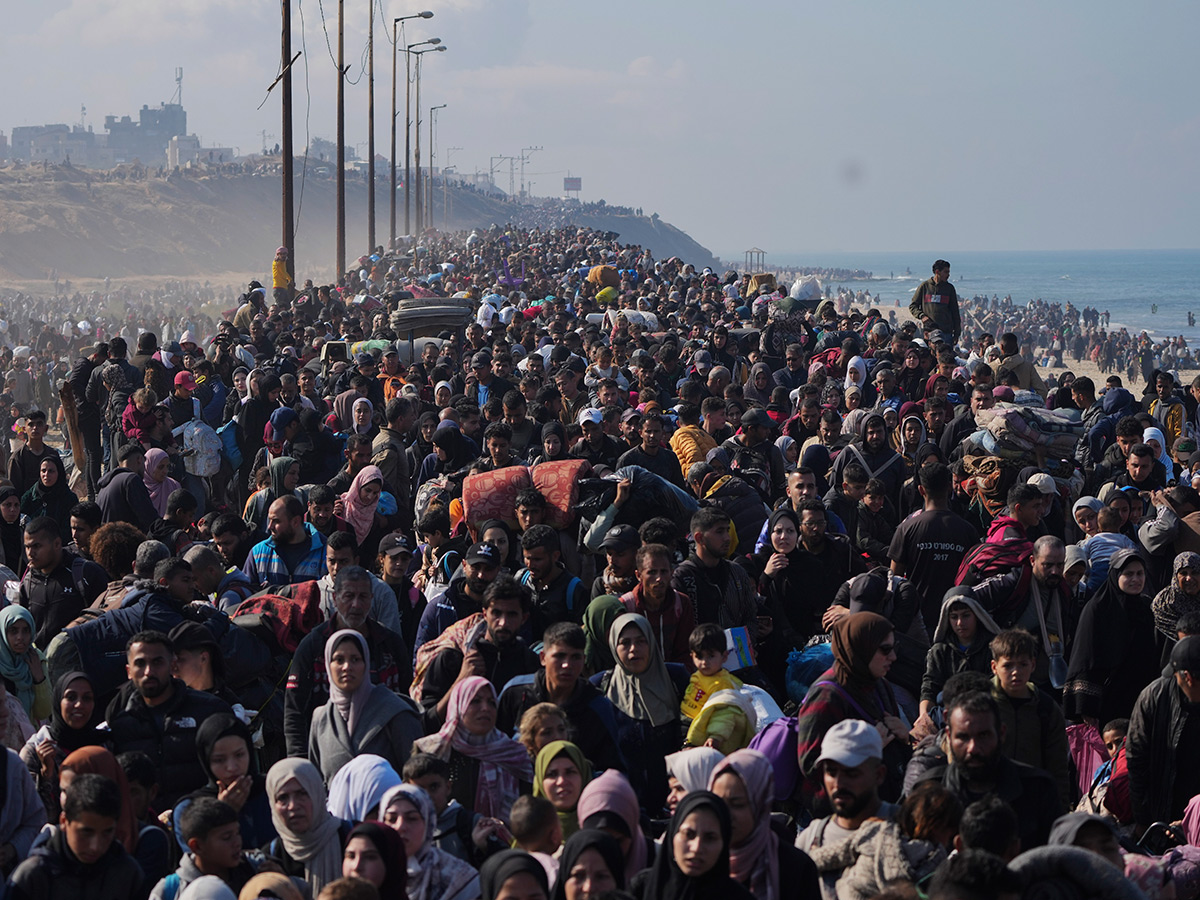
538, 831
710, 651
461, 832
154, 850
1114, 735
542, 723
81, 857
1035, 732
320, 511
1100, 547
874, 528
960, 644
214, 841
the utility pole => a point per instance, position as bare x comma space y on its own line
341, 143
526, 152
432, 155
392, 158
285, 60
371, 130
417, 149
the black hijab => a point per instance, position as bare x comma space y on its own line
211, 730
451, 440
391, 849
67, 738
589, 839
554, 428
504, 865
666, 881
11, 539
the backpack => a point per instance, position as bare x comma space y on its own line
231, 443
985, 560
749, 465
435, 492
526, 578
779, 742
201, 446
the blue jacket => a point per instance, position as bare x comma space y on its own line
264, 565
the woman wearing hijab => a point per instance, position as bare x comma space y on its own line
689, 770
375, 854
22, 665
157, 480
856, 374
310, 840
488, 768
1158, 443
226, 750
694, 861
591, 867
757, 858
51, 496
1180, 597
911, 377
433, 874
645, 696
360, 508
758, 388
285, 475
207, 887
1113, 656
363, 418
789, 449
553, 446
908, 438
12, 539
513, 875
816, 457
74, 715
864, 649
500, 536
451, 454
609, 803
560, 773
359, 717
598, 619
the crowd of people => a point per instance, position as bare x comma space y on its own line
634, 581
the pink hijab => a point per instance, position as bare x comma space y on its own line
159, 492
756, 862
503, 763
360, 516
610, 791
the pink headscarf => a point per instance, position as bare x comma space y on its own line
350, 706
360, 516
159, 492
755, 863
503, 763
610, 791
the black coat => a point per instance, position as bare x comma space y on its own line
1152, 748
171, 745
123, 498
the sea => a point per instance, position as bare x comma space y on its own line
1143, 290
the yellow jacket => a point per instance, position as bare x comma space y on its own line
691, 443
280, 277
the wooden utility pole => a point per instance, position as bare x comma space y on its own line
289, 219
371, 130
341, 143
417, 150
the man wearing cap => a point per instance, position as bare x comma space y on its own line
794, 372
88, 412
754, 457
123, 495
463, 596
1163, 744
395, 556
852, 771
935, 303
619, 547
600, 449
652, 454
486, 384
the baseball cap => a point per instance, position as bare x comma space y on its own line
364, 359
485, 553
717, 456
191, 636
850, 743
394, 544
630, 414
590, 415
1043, 483
752, 417
1185, 655
481, 358
620, 537
391, 351
937, 337
283, 417
702, 360
185, 380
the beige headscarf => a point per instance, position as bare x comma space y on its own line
650, 696
319, 848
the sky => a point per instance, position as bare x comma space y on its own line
799, 128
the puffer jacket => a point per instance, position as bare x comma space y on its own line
171, 745
743, 505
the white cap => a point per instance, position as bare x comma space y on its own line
590, 415
1043, 483
850, 743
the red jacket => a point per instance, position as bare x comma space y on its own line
672, 624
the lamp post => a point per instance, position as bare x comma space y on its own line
408, 51
432, 152
392, 181
417, 150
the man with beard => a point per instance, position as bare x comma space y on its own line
851, 765
464, 595
670, 613
159, 716
978, 768
874, 454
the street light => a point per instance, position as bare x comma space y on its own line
427, 14
407, 51
417, 150
432, 123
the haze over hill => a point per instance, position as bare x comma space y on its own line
84, 226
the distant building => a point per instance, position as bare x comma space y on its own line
184, 150
3, 147
146, 139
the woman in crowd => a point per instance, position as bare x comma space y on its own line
694, 862
451, 454
591, 867
553, 446
758, 859
51, 496
609, 804
646, 698
11, 534
157, 480
560, 774
500, 536
864, 649
22, 665
489, 770
513, 875
359, 717
310, 842
598, 619
74, 715
285, 475
375, 853
1180, 597
358, 788
433, 874
1113, 656
362, 416
777, 572
360, 509
541, 724
689, 770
